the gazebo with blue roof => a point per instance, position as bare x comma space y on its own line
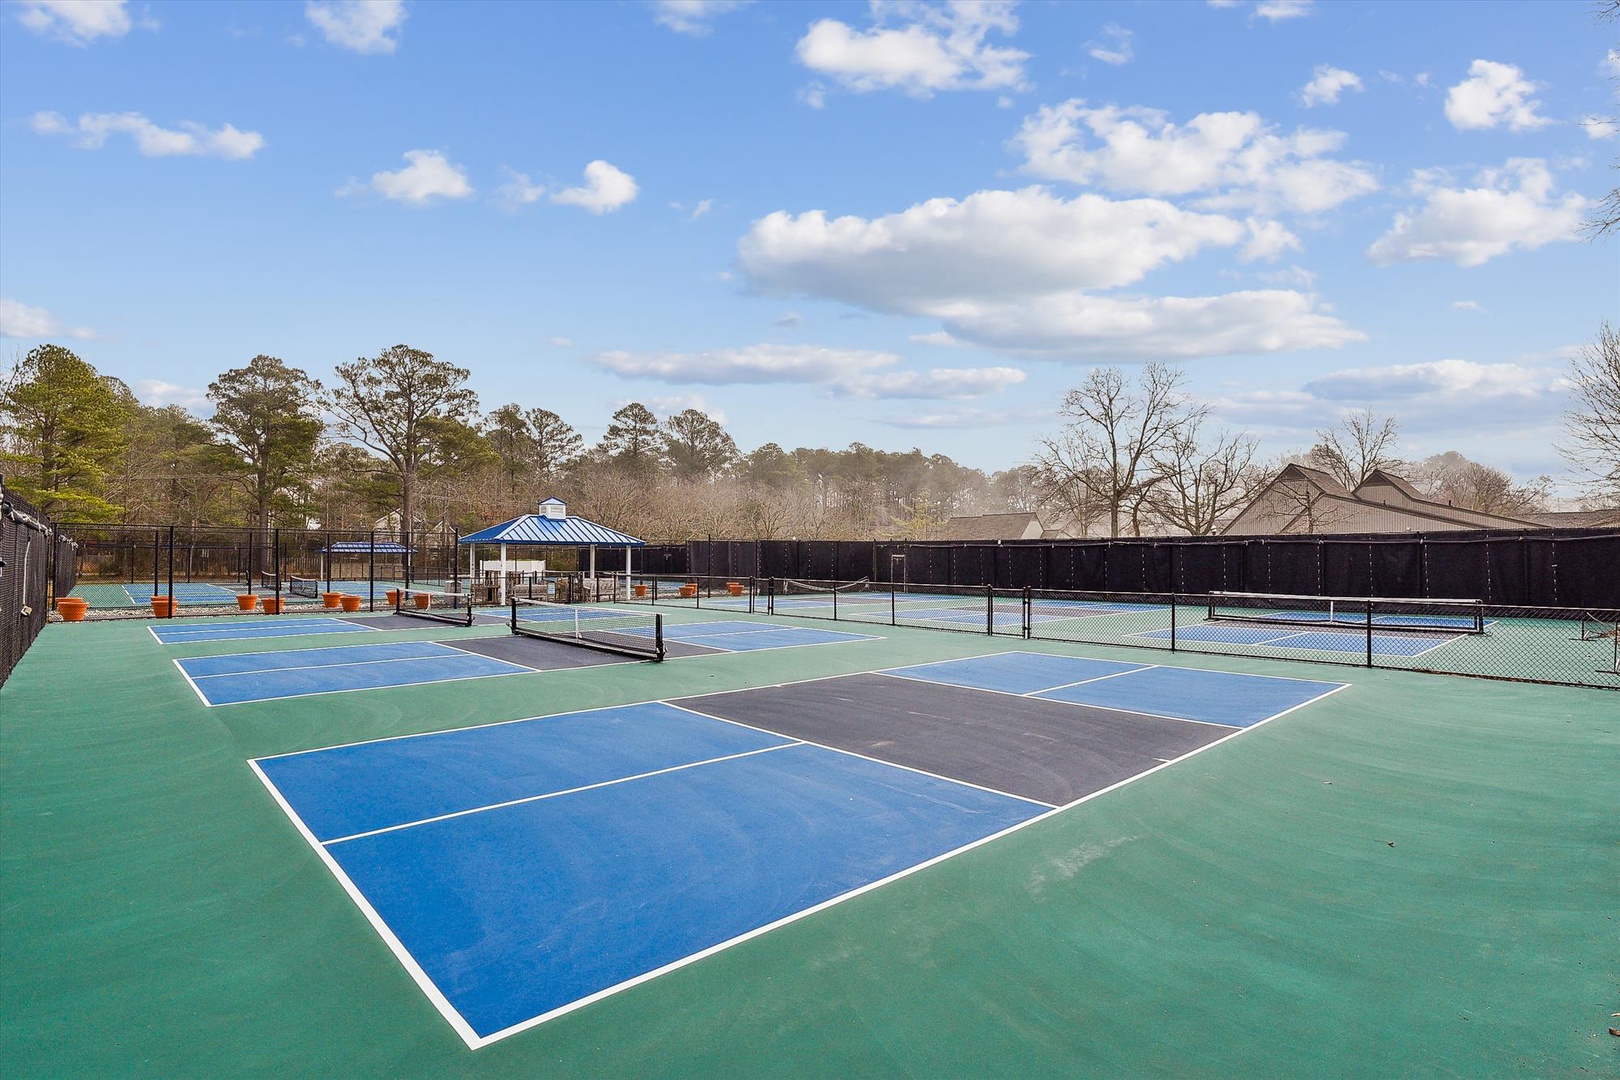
553, 526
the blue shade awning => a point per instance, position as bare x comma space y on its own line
570, 531
364, 547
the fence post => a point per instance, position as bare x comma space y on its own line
990, 610
1369, 632
157, 543
275, 564
1029, 613
371, 573
171, 572
1173, 599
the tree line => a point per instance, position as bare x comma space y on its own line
400, 438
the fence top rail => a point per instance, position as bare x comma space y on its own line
1451, 601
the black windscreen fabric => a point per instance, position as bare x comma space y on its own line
928, 564
1457, 570
1091, 567
1507, 568
1158, 565
776, 559
973, 564
1296, 567
1063, 567
855, 560
1022, 567
1397, 568
1589, 571
1202, 567
818, 560
1347, 569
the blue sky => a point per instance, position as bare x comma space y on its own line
902, 224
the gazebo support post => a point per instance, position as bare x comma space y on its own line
503, 575
627, 571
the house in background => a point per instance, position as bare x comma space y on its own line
995, 527
1306, 500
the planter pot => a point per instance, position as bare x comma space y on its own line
163, 606
72, 608
423, 600
271, 604
734, 588
641, 590
392, 596
689, 591
351, 603
332, 599
247, 601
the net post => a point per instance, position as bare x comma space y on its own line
513, 624
1029, 613
171, 572
658, 636
894, 605
835, 595
1369, 632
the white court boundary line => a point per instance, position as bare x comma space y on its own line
474, 1041
1281, 642
216, 631
348, 689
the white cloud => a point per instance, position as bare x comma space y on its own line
1511, 208
938, 337
692, 17
991, 243
1081, 327
1455, 381
606, 189
935, 384
965, 419
518, 190
1599, 127
844, 372
77, 22
18, 320
1113, 47
364, 26
1611, 62
91, 131
1235, 160
1010, 270
789, 320
157, 393
1267, 241
1493, 94
917, 49
750, 364
703, 207
561, 342
1277, 10
429, 176
1467, 305
1327, 83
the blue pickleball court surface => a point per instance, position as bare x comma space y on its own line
526, 868
240, 629
1385, 643
237, 678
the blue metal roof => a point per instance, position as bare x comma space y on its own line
362, 547
534, 529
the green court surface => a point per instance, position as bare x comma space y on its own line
1416, 876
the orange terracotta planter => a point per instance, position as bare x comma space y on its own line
351, 603
392, 596
247, 601
689, 591
72, 608
641, 590
271, 604
163, 606
332, 599
423, 600
734, 588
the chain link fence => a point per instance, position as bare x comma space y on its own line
30, 571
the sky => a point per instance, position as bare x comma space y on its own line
903, 224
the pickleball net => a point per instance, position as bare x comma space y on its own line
629, 633
1386, 613
304, 586
447, 607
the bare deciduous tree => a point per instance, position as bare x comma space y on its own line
1592, 440
1363, 443
1101, 462
1203, 483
